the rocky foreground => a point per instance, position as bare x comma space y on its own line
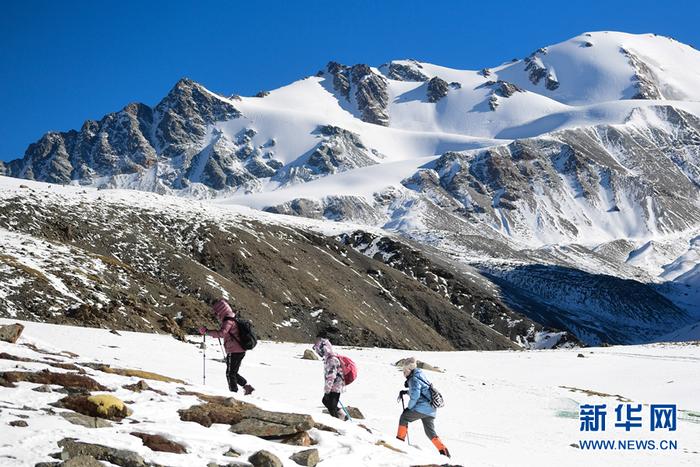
90, 412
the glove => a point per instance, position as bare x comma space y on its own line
401, 394
203, 330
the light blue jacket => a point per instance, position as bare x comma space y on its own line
419, 392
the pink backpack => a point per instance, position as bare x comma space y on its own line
349, 369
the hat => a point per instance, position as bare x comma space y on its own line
409, 364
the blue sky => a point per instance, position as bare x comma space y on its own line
64, 62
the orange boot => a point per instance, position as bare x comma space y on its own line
440, 447
402, 432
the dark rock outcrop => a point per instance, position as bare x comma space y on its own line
502, 89
436, 89
340, 150
644, 80
402, 72
537, 71
368, 88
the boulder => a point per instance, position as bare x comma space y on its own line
210, 413
101, 405
299, 439
246, 418
19, 423
355, 413
43, 388
265, 459
160, 443
11, 332
420, 364
322, 427
266, 424
121, 457
309, 355
262, 428
67, 380
232, 453
82, 461
83, 420
169, 325
307, 457
141, 386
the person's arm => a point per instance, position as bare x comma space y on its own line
413, 393
226, 327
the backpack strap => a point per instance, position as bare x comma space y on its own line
429, 387
233, 318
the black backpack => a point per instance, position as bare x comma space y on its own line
248, 339
436, 399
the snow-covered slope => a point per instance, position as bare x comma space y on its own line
499, 405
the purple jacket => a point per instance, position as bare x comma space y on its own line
333, 375
228, 329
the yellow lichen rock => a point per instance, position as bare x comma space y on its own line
138, 374
107, 406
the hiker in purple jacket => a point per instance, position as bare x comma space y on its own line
333, 376
234, 351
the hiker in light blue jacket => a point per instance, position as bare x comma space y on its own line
419, 406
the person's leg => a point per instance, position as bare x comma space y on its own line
429, 427
233, 363
407, 416
330, 400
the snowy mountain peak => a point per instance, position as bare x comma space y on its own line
604, 66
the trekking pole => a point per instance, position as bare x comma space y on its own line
222, 348
204, 359
408, 440
345, 410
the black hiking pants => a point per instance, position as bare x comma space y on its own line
409, 416
233, 364
330, 400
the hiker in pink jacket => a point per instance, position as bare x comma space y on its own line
234, 351
333, 377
